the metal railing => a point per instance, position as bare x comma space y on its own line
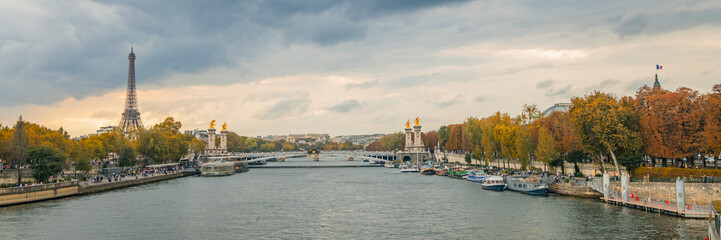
687, 180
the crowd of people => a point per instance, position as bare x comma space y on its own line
134, 174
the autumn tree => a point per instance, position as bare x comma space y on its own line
671, 122
712, 130
546, 150
430, 140
606, 124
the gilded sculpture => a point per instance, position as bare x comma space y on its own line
408, 124
225, 126
212, 124
418, 122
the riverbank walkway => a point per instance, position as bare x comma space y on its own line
662, 208
42, 192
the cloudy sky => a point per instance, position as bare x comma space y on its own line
340, 67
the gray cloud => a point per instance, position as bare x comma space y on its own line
544, 84
345, 106
481, 98
285, 108
633, 86
667, 20
72, 51
415, 80
459, 99
561, 92
603, 85
106, 115
363, 85
79, 54
631, 24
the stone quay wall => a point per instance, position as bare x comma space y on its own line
19, 195
696, 193
95, 188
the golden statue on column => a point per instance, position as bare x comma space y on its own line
212, 124
225, 126
418, 122
408, 124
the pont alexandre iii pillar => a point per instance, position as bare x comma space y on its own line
210, 146
223, 148
409, 140
417, 142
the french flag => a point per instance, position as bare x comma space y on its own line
659, 67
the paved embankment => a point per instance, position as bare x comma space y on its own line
22, 195
314, 166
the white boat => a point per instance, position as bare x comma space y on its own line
495, 183
217, 169
409, 168
527, 184
389, 165
478, 176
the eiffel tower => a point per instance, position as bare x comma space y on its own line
131, 116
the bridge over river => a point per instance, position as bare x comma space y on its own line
325, 159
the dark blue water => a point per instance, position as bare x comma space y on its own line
331, 203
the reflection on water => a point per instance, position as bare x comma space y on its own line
331, 203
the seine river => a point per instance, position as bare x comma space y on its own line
331, 203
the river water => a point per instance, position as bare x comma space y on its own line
331, 203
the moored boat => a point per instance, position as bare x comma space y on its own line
527, 184
215, 169
495, 183
477, 176
457, 173
428, 171
409, 169
389, 165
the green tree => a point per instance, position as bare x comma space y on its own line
468, 158
47, 161
19, 146
267, 147
393, 141
443, 135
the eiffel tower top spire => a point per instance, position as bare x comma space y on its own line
131, 115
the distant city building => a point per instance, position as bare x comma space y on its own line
105, 129
358, 139
558, 107
201, 135
131, 115
298, 138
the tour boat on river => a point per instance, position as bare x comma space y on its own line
495, 183
215, 169
527, 184
477, 176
